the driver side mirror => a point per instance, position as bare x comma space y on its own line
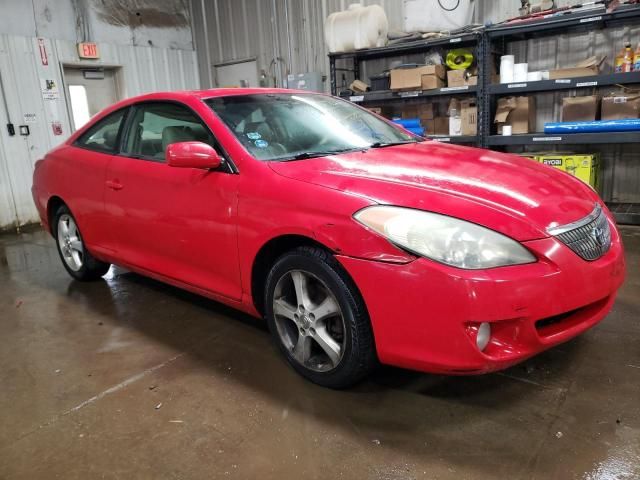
192, 155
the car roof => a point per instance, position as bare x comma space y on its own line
210, 93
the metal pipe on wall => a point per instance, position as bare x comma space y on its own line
207, 46
276, 45
286, 18
12, 197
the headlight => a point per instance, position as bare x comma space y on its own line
444, 239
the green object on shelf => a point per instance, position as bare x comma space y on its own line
459, 59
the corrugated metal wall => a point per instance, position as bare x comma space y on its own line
282, 35
143, 69
288, 36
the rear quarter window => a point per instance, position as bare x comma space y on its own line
104, 135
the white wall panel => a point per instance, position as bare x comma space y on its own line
143, 69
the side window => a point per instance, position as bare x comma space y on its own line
103, 136
154, 126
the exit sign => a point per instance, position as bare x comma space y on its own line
88, 50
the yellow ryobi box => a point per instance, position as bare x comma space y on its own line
586, 167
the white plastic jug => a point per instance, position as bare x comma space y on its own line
356, 28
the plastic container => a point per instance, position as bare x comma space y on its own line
624, 60
520, 71
506, 68
380, 81
455, 122
627, 59
356, 28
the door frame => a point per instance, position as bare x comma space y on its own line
118, 70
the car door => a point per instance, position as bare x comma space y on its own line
178, 222
82, 175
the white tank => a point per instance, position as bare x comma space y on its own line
356, 28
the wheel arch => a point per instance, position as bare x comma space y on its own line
266, 257
53, 204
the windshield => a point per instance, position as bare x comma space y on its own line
286, 126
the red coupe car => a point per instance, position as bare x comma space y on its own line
357, 241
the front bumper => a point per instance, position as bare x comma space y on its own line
423, 312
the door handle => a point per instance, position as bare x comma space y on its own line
114, 185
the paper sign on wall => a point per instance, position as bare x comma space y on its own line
57, 128
29, 117
43, 52
49, 89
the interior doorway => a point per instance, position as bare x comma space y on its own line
88, 91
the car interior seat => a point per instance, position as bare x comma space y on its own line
175, 134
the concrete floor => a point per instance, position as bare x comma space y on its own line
129, 378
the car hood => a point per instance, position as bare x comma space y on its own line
507, 193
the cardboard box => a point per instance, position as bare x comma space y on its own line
461, 78
358, 86
429, 82
377, 110
409, 111
621, 106
590, 66
411, 78
469, 115
440, 126
519, 112
580, 109
425, 110
429, 126
586, 167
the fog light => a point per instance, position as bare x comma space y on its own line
483, 336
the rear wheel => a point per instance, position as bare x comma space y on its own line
76, 259
318, 318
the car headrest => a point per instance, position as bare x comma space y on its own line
176, 134
110, 137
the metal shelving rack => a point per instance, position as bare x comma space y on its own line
495, 40
487, 45
378, 97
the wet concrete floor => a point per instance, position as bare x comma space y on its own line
129, 378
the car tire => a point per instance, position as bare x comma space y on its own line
318, 318
76, 259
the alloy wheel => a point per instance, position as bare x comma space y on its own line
309, 321
70, 242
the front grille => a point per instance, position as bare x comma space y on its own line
589, 237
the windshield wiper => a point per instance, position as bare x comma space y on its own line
305, 155
390, 144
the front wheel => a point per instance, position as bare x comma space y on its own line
76, 259
318, 318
